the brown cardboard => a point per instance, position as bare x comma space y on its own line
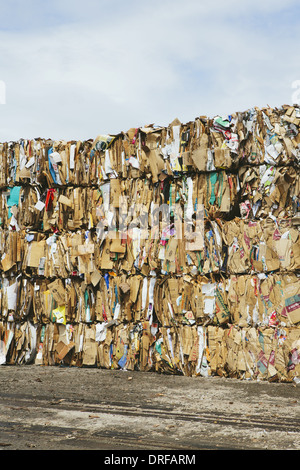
115, 192
58, 291
199, 154
36, 252
65, 200
63, 349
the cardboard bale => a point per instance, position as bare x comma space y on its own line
104, 262
268, 135
261, 246
181, 351
268, 189
191, 301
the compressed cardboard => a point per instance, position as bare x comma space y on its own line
174, 249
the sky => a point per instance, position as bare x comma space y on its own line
73, 69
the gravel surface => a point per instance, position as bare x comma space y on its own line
60, 408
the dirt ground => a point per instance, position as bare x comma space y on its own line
61, 408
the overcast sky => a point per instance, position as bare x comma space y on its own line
76, 69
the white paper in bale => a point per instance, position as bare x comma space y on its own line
11, 292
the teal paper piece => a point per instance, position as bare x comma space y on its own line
13, 199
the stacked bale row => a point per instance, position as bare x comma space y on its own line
174, 249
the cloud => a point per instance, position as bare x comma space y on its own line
73, 72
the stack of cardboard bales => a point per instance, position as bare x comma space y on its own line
102, 263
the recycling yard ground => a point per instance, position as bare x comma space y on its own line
59, 408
